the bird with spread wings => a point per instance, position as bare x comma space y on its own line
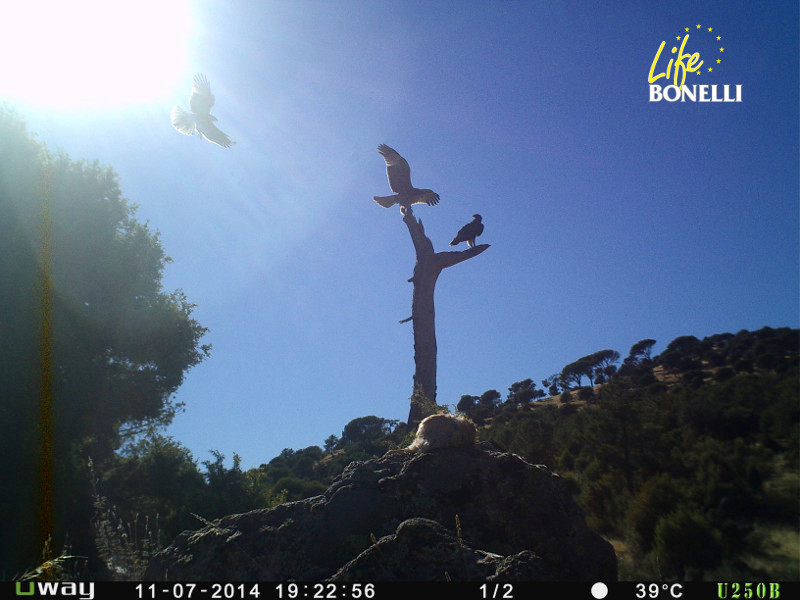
200, 120
399, 174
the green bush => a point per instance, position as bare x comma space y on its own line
686, 545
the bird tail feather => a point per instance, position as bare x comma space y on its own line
183, 121
385, 201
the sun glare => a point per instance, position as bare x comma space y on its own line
91, 53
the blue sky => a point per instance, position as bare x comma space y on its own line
610, 218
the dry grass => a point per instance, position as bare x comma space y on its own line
124, 547
777, 560
631, 566
779, 557
64, 567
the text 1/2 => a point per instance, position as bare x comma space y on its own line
503, 591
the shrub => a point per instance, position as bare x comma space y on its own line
686, 545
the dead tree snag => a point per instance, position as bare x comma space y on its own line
426, 272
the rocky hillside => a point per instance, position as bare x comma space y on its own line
467, 513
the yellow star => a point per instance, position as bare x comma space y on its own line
722, 49
698, 25
719, 37
709, 69
687, 29
718, 61
678, 38
709, 28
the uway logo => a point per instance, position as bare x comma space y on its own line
69, 589
686, 62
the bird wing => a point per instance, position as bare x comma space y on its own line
183, 121
428, 197
202, 100
469, 231
397, 170
465, 231
212, 133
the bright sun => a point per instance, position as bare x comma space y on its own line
91, 53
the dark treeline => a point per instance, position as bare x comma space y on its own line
687, 460
691, 469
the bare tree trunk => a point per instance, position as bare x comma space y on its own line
426, 272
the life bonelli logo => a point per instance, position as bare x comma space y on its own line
698, 68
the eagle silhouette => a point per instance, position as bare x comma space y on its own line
399, 174
200, 119
469, 232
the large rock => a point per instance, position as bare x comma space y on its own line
423, 550
464, 513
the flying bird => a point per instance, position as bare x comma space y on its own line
469, 232
200, 119
399, 174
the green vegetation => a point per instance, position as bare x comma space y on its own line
688, 461
690, 475
93, 348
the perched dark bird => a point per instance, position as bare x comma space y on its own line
200, 119
399, 174
469, 232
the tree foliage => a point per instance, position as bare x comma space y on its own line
523, 392
640, 351
649, 462
683, 472
596, 367
92, 347
368, 434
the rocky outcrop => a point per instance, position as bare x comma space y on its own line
424, 550
466, 513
